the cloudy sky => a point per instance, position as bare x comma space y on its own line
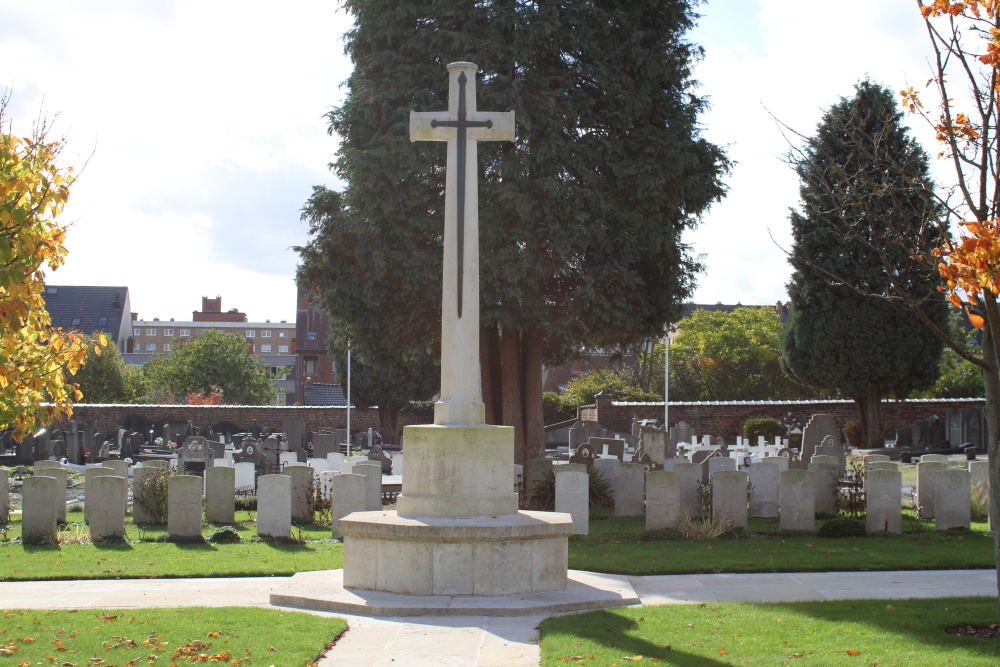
200, 127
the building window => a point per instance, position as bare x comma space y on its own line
265, 348
150, 347
102, 321
168, 332
310, 366
312, 335
250, 333
76, 321
283, 348
282, 334
167, 347
265, 334
150, 332
185, 333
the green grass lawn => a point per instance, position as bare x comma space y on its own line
143, 556
215, 635
620, 546
858, 633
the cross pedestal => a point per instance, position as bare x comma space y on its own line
457, 530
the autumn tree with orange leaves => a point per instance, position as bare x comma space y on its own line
965, 80
37, 358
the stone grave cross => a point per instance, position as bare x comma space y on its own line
462, 126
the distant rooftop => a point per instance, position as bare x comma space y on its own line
325, 394
88, 309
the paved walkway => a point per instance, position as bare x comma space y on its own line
480, 641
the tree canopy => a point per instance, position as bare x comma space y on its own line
208, 362
37, 358
580, 218
106, 378
729, 356
849, 331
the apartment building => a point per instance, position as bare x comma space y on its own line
272, 342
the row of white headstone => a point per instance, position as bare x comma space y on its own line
281, 498
767, 489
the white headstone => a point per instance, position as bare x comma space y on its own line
573, 497
38, 511
663, 499
274, 505
825, 485
764, 490
690, 481
220, 494
302, 482
926, 486
729, 497
348, 496
246, 475
797, 500
605, 469
4, 497
884, 501
630, 481
89, 474
951, 497
184, 506
107, 496
373, 487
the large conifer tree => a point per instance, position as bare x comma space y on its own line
862, 177
580, 218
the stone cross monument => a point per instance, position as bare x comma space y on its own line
457, 529
462, 126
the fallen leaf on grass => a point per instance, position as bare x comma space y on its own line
851, 651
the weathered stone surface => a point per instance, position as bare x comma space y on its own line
89, 474
819, 427
246, 475
4, 497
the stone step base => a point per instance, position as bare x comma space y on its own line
324, 591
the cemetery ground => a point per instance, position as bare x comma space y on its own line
220, 635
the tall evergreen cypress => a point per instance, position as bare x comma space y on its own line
580, 218
864, 182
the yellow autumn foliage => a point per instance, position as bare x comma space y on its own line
35, 357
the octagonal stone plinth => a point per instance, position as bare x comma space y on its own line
519, 553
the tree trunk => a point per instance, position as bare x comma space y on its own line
870, 419
534, 418
489, 361
991, 380
510, 361
388, 418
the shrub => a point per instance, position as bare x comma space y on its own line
543, 496
246, 503
224, 535
703, 529
554, 410
843, 527
768, 427
151, 495
852, 500
979, 505
852, 431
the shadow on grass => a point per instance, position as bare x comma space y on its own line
611, 630
918, 624
925, 622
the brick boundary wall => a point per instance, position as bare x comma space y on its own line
726, 418
108, 418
